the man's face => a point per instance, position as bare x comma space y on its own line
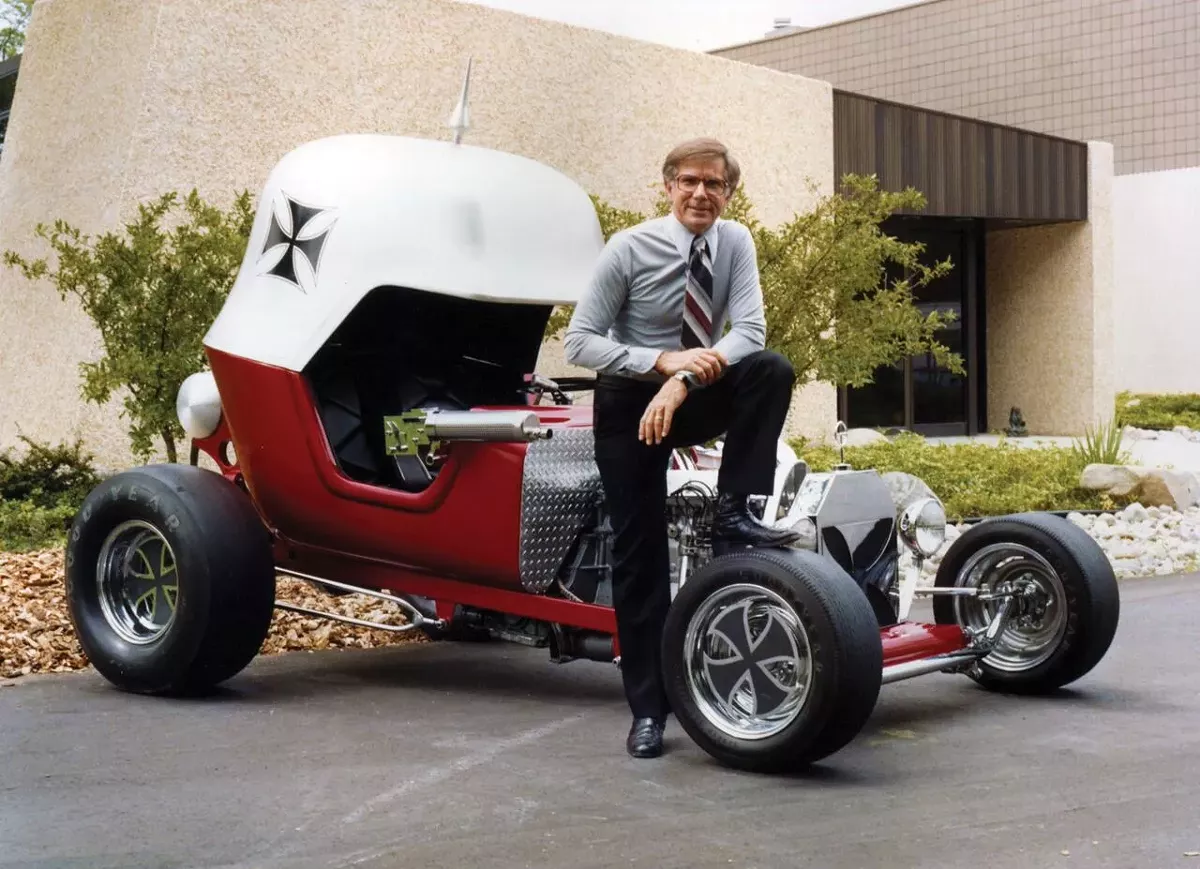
698, 194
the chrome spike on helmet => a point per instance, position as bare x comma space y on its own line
460, 119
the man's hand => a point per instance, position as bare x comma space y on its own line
704, 363
656, 421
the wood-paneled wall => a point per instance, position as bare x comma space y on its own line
965, 167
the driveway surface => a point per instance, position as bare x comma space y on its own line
488, 755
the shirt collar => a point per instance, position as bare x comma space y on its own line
682, 236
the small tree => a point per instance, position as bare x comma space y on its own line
152, 293
14, 15
831, 305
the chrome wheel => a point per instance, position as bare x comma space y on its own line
137, 582
1038, 615
749, 662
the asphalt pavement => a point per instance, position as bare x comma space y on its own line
488, 755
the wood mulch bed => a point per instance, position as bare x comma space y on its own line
36, 634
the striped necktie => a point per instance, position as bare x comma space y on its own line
697, 309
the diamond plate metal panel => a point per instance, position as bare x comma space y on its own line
559, 491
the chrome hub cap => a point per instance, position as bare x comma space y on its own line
1038, 614
749, 663
137, 582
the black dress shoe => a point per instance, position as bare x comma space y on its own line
645, 738
734, 527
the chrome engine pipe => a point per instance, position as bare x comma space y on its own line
419, 616
947, 591
909, 669
484, 425
338, 617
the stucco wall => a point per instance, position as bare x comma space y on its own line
1050, 316
119, 100
67, 154
1156, 225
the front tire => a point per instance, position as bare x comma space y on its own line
772, 659
170, 581
1067, 612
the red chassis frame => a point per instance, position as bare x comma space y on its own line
326, 525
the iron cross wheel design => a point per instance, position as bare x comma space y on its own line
749, 662
138, 582
299, 241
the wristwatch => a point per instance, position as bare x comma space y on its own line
688, 379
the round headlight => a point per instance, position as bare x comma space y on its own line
198, 405
923, 526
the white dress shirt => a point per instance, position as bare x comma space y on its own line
633, 308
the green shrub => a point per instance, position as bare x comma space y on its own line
151, 289
977, 479
40, 493
1159, 412
47, 474
25, 527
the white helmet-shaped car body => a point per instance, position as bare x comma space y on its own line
341, 216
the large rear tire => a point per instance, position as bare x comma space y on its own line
772, 659
1066, 616
170, 581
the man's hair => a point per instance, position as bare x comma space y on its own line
705, 149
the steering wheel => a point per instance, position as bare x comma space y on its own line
538, 385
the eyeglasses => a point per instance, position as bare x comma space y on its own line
689, 183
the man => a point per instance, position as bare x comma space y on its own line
651, 323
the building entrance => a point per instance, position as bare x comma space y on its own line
917, 394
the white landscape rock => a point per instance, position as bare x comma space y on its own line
1139, 434
1153, 487
1179, 432
1138, 540
1113, 479
864, 437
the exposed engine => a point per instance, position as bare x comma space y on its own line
849, 516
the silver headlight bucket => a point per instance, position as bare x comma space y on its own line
792, 512
923, 526
198, 405
790, 489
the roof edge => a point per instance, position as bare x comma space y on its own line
796, 34
958, 117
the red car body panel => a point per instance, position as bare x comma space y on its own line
456, 542
909, 641
465, 526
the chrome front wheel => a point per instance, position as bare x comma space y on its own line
1064, 602
771, 658
749, 661
1037, 617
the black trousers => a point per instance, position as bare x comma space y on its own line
748, 405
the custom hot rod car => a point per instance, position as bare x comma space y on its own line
376, 425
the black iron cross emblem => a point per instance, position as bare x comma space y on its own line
300, 241
750, 659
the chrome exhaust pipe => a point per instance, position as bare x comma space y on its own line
485, 425
410, 433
